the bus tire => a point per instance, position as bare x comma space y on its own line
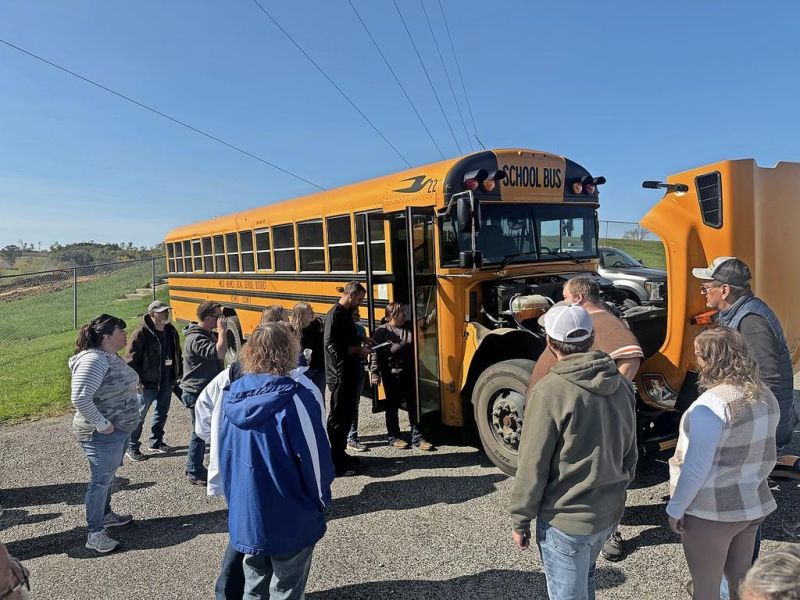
498, 400
235, 341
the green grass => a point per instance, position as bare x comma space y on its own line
649, 251
37, 339
49, 313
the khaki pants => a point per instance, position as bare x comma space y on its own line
713, 548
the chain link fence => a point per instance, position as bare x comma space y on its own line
624, 230
60, 300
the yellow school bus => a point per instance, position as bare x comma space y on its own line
478, 247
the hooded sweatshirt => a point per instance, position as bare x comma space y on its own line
578, 448
200, 361
275, 464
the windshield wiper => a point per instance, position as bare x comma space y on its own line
508, 258
569, 255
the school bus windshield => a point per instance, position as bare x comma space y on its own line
517, 233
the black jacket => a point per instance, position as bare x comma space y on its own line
144, 354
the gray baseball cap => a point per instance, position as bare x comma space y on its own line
726, 269
157, 306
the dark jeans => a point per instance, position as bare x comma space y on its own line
161, 398
230, 583
344, 395
353, 433
399, 389
277, 576
197, 447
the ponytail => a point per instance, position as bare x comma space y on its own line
91, 335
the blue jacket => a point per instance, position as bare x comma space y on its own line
275, 464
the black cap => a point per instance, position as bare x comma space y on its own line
587, 179
733, 272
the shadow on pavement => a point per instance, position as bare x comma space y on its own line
14, 517
413, 493
146, 534
495, 584
58, 493
383, 466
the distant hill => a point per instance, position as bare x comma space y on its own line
24, 258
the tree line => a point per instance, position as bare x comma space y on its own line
78, 254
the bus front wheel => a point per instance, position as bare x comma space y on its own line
234, 337
498, 400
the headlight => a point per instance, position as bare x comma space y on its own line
655, 290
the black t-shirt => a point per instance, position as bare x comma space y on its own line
340, 334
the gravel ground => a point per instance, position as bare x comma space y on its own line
412, 525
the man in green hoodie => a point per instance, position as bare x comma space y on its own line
577, 456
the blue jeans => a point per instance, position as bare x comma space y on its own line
104, 453
569, 560
277, 576
197, 446
724, 592
161, 398
230, 583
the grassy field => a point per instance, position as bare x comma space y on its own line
37, 339
648, 251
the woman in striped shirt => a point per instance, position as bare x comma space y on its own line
106, 412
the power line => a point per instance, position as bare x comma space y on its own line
446, 74
331, 81
396, 78
161, 114
422, 63
458, 66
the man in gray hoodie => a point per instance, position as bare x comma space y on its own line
577, 456
202, 361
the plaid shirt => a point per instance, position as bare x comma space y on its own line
736, 487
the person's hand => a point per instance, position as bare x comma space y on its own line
222, 325
375, 379
140, 389
107, 430
522, 541
677, 525
365, 352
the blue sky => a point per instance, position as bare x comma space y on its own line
631, 90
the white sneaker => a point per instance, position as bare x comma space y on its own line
101, 542
112, 519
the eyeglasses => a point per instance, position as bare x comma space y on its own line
705, 289
17, 569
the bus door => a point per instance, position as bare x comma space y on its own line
422, 296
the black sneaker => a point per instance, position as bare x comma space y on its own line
162, 448
612, 549
197, 480
135, 455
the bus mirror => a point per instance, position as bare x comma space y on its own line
469, 259
468, 213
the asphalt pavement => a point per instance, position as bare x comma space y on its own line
411, 525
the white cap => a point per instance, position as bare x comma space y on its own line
569, 323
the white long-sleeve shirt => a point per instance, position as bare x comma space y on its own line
208, 410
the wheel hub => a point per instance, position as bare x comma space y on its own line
506, 417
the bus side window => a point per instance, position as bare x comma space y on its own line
310, 244
246, 246
187, 256
197, 264
208, 255
378, 241
340, 244
283, 238
263, 256
232, 249
171, 258
219, 254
